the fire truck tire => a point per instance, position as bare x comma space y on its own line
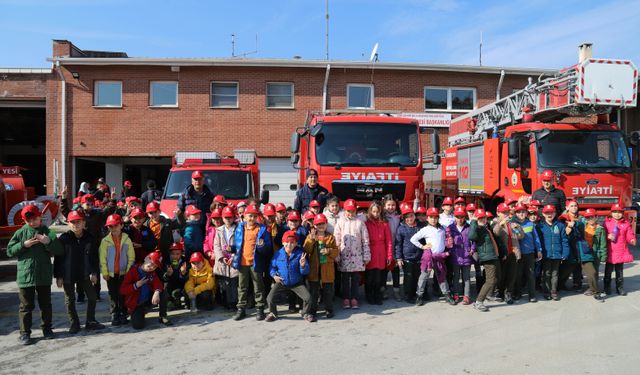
14, 218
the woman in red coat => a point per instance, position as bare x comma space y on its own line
381, 245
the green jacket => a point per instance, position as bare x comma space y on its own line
484, 246
34, 263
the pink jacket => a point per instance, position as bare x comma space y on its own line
618, 251
207, 245
380, 244
352, 239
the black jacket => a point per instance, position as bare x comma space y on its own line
166, 234
80, 258
95, 219
150, 196
306, 194
555, 197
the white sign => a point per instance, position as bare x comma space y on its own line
432, 120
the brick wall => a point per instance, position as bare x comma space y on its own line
18, 86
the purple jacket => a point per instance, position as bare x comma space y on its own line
462, 245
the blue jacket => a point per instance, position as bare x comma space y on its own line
530, 244
202, 201
193, 238
288, 267
404, 249
301, 231
554, 240
261, 251
305, 195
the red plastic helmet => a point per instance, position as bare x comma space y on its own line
459, 212
308, 215
563, 218
314, 203
216, 213
153, 207
489, 214
432, 211
76, 200
219, 199
293, 216
114, 219
132, 199
197, 175
547, 175
459, 200
177, 246
447, 201
280, 207
510, 201
320, 219
196, 257
192, 210
520, 207
406, 209
421, 210
471, 207
289, 236
532, 209
480, 213
617, 207
137, 212
128, 184
228, 212
590, 212
98, 203
87, 198
75, 215
155, 258
536, 203
120, 204
252, 209
269, 210
502, 207
350, 205
549, 209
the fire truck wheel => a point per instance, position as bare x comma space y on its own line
14, 218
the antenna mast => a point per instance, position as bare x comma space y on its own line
480, 48
327, 21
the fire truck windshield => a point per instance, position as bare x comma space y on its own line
231, 184
583, 150
367, 144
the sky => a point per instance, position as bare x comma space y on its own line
515, 33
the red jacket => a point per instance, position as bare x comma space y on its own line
129, 290
380, 244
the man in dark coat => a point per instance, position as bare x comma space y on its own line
310, 191
549, 194
197, 194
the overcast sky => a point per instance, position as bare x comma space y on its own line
531, 33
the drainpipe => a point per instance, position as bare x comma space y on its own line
63, 126
500, 85
324, 90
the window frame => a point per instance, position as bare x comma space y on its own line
449, 99
96, 96
372, 96
151, 105
266, 95
211, 83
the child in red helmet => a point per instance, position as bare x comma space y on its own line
332, 212
193, 234
226, 276
142, 238
381, 248
620, 236
33, 244
142, 288
175, 276
201, 284
116, 258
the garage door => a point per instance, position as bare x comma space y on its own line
279, 171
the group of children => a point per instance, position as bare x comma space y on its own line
245, 257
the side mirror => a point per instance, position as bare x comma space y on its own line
436, 159
295, 142
513, 152
264, 197
316, 130
435, 142
293, 187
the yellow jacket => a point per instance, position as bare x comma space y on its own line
200, 281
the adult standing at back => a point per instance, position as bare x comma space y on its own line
549, 194
152, 194
197, 194
310, 191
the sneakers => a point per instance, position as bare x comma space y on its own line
48, 333
310, 318
547, 297
75, 328
508, 299
533, 299
588, 293
270, 318
599, 297
25, 339
115, 321
456, 297
480, 306
495, 298
93, 325
239, 315
419, 301
555, 296
397, 295
330, 314
346, 304
466, 300
449, 299
260, 314
354, 304
165, 321
621, 291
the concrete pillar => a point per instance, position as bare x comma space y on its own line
114, 169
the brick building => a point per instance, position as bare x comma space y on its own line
125, 117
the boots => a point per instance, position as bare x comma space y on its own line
619, 285
419, 300
239, 315
260, 314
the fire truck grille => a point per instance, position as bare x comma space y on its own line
597, 200
367, 191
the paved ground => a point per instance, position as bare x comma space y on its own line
576, 335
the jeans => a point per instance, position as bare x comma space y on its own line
350, 284
70, 301
550, 271
465, 272
527, 267
300, 290
27, 304
423, 281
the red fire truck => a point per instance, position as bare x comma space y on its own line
500, 151
236, 178
362, 155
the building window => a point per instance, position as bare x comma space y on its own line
107, 94
279, 95
360, 96
163, 94
449, 99
224, 94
